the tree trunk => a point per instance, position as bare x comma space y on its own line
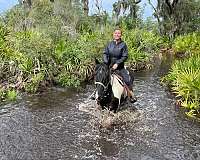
86, 7
28, 3
133, 8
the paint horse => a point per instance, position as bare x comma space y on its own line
111, 91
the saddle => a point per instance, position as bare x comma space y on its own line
121, 81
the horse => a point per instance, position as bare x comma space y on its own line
111, 91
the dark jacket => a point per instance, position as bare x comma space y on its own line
115, 53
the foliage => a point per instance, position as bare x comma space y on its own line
128, 8
177, 17
187, 43
32, 84
15, 18
11, 95
185, 80
142, 44
77, 56
65, 80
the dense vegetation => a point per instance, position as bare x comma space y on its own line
48, 43
44, 43
185, 73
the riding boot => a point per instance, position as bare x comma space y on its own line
132, 97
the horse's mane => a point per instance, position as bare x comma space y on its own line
102, 72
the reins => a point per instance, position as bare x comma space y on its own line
109, 82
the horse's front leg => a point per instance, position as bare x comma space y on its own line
114, 104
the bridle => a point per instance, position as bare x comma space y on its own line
109, 82
104, 86
101, 84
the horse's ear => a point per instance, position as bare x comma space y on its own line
97, 61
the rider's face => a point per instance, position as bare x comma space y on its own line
117, 34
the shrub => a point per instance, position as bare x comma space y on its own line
185, 80
11, 95
65, 80
187, 43
33, 83
142, 46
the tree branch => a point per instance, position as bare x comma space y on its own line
174, 3
138, 1
169, 6
155, 11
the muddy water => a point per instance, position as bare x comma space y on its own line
62, 124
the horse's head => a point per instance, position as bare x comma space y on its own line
101, 80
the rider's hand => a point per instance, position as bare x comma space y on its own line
115, 66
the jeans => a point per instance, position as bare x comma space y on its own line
126, 77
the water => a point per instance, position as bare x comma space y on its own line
61, 124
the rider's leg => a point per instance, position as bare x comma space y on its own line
127, 79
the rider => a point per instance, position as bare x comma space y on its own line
114, 55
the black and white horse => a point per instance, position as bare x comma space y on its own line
111, 91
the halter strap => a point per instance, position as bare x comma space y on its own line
101, 84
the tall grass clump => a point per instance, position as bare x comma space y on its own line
184, 77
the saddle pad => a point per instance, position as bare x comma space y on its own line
119, 78
117, 86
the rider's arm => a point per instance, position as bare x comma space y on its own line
124, 55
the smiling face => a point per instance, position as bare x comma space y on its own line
117, 34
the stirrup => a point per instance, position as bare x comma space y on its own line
133, 99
